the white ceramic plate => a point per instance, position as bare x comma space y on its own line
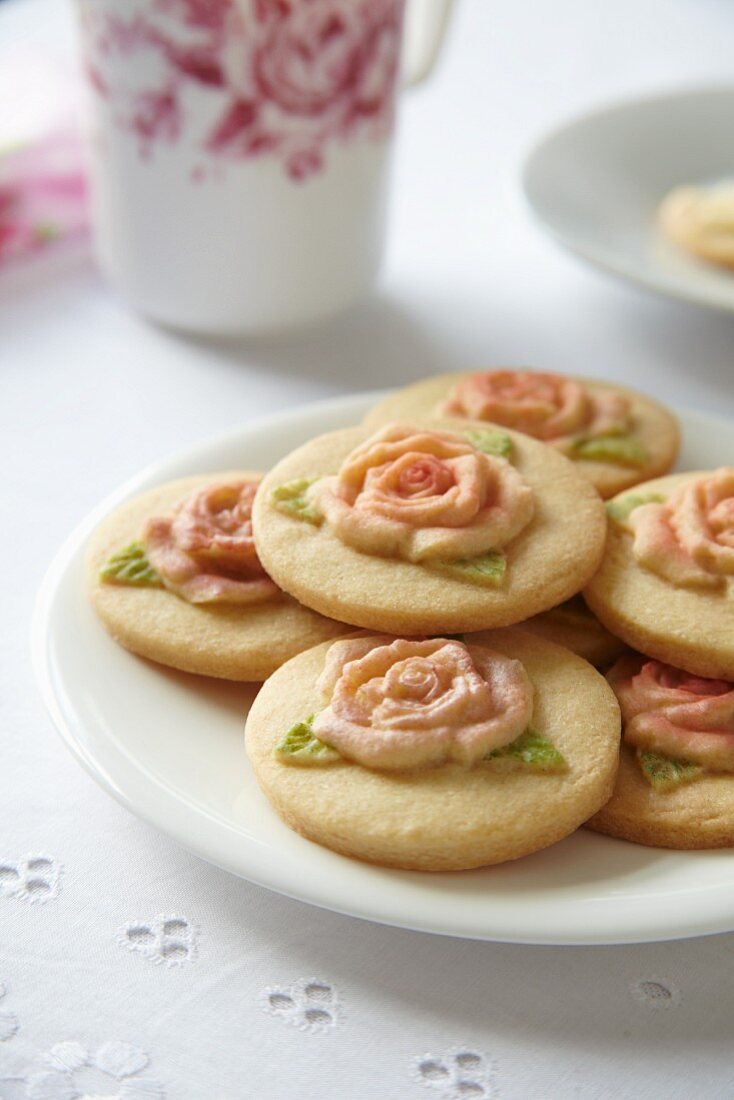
596, 183
170, 748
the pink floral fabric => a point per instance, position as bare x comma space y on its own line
205, 552
689, 540
280, 78
43, 196
669, 711
424, 495
397, 704
550, 407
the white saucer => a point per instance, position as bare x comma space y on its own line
596, 183
170, 748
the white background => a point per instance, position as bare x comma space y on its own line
90, 394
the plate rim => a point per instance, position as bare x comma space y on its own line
620, 270
202, 847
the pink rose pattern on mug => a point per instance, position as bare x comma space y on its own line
272, 78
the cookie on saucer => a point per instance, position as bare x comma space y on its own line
174, 576
418, 529
615, 436
666, 583
675, 786
700, 220
435, 754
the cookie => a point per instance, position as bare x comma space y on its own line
432, 754
210, 560
615, 436
415, 529
699, 220
572, 625
666, 583
675, 786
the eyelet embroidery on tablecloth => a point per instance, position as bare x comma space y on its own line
35, 878
111, 1072
656, 993
309, 1004
8, 1020
459, 1073
164, 939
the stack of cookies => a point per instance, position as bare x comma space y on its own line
417, 594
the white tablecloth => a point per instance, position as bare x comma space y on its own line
133, 970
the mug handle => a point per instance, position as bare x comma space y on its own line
426, 22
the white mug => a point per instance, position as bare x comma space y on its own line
240, 151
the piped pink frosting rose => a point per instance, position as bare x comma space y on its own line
550, 407
424, 495
395, 704
689, 540
668, 711
205, 551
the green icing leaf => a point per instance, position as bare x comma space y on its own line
530, 749
290, 497
621, 449
491, 442
131, 566
620, 509
299, 746
664, 772
486, 569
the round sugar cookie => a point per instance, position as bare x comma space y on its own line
691, 628
549, 560
652, 427
699, 220
447, 817
675, 785
572, 625
231, 642
699, 814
